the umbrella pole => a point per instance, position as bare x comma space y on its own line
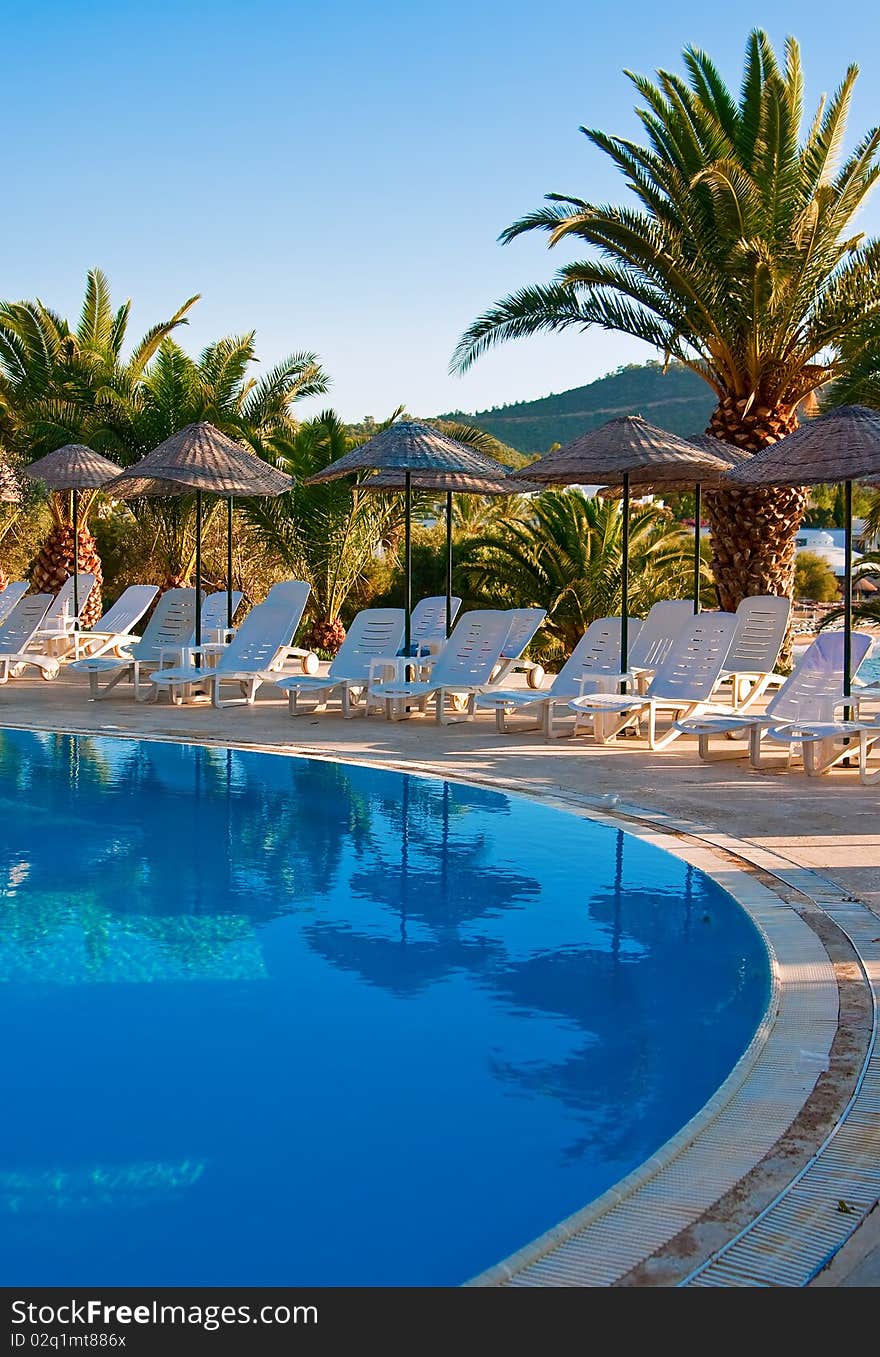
448, 562
229, 562
698, 510
407, 566
198, 572
847, 596
75, 516
624, 592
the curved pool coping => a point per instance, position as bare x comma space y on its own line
657, 1205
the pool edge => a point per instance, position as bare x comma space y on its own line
683, 838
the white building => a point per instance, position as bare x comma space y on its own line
829, 544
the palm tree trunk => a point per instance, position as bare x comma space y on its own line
54, 564
753, 527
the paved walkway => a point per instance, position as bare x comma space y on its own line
830, 823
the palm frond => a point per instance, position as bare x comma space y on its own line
742, 259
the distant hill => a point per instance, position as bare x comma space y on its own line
676, 400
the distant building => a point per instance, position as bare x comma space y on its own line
829, 544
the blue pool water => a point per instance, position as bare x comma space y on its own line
869, 672
279, 1021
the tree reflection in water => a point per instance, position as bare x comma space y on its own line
520, 994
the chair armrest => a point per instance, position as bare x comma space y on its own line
602, 682
385, 666
397, 665
868, 693
107, 635
173, 654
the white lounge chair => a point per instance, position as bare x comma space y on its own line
867, 731
9, 596
460, 671
170, 624
60, 623
657, 637
60, 620
375, 634
682, 685
214, 613
652, 642
428, 624
761, 626
524, 623
18, 632
868, 735
594, 663
215, 610
113, 632
800, 714
255, 651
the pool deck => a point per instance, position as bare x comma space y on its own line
803, 836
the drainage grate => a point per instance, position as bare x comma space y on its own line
798, 1234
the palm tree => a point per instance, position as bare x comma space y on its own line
219, 387
739, 259
563, 552
61, 385
327, 534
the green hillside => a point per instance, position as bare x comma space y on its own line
676, 400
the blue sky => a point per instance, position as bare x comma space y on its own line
335, 175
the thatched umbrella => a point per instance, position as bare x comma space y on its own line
73, 467
201, 458
842, 445
412, 449
452, 483
630, 452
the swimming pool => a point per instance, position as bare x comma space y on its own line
869, 672
282, 1021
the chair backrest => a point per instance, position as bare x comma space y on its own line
761, 624
215, 609
694, 664
62, 603
290, 594
597, 652
128, 609
268, 629
817, 678
658, 633
23, 623
428, 622
171, 624
473, 649
10, 596
524, 622
374, 634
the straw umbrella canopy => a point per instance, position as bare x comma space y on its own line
201, 458
412, 449
842, 445
453, 483
630, 452
73, 467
